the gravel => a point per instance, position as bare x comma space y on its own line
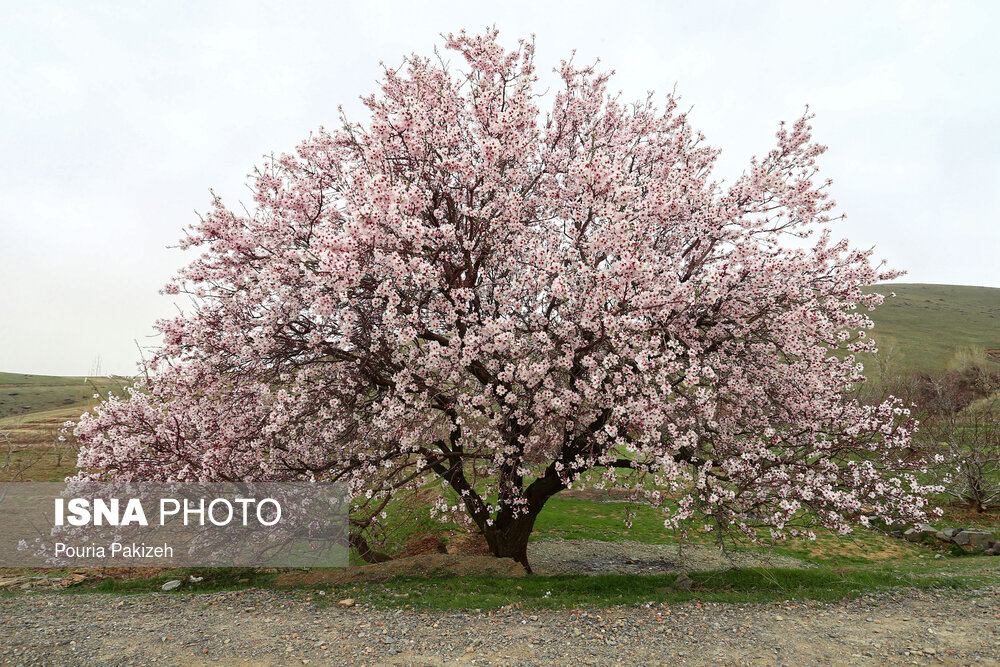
596, 557
274, 627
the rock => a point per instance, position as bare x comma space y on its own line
684, 582
5, 583
72, 580
973, 538
346, 602
896, 533
919, 534
171, 585
941, 535
951, 531
195, 580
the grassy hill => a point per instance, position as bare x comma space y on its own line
28, 394
928, 324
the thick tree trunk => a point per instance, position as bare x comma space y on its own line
508, 537
511, 541
365, 552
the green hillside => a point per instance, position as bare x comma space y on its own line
25, 394
927, 324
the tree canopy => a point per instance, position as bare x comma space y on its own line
465, 288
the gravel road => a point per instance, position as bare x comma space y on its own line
277, 628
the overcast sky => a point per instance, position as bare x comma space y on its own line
117, 118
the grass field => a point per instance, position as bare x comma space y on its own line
27, 394
569, 591
927, 324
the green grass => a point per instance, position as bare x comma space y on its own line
575, 591
28, 394
929, 323
566, 517
570, 518
734, 586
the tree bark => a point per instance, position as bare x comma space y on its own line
511, 541
508, 538
365, 552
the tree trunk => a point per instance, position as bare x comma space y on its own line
508, 537
511, 541
365, 552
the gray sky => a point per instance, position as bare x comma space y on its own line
116, 119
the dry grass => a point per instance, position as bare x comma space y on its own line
30, 449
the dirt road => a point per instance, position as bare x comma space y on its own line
276, 628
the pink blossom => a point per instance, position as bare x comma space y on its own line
466, 288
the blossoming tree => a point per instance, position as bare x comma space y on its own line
512, 303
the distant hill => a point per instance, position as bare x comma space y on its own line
928, 324
25, 394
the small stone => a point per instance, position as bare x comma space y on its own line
929, 651
346, 602
779, 618
196, 580
171, 585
